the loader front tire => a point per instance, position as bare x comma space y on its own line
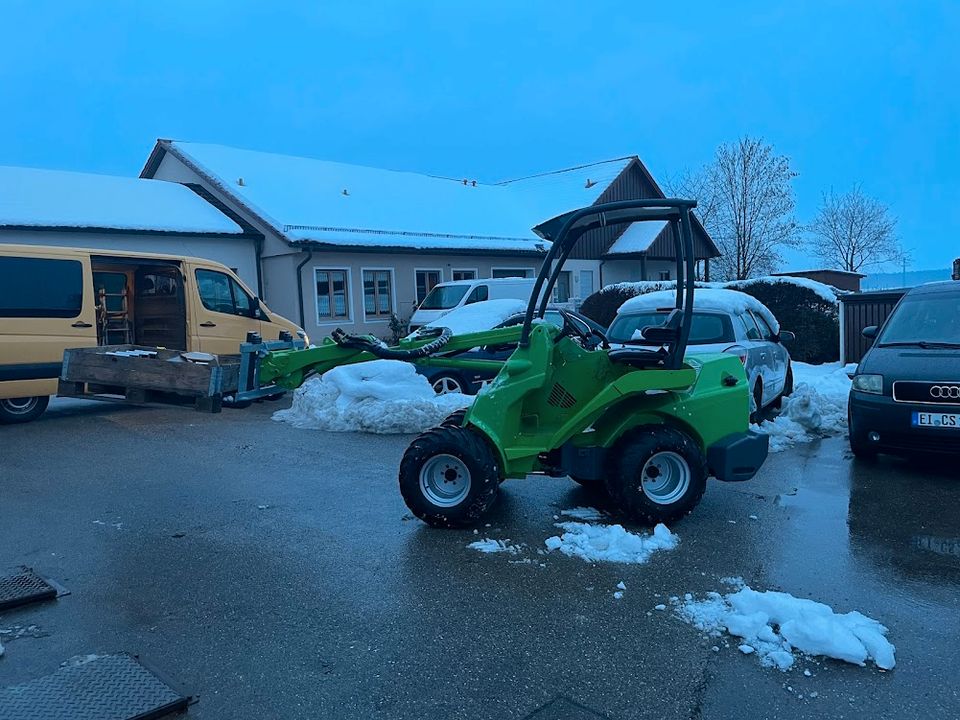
454, 419
656, 474
449, 477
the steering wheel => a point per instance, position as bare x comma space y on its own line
575, 327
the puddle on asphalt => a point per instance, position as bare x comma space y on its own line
886, 532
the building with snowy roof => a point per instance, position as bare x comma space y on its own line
345, 245
70, 209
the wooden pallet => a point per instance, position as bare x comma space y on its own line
148, 375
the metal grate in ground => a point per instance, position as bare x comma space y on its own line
98, 687
24, 587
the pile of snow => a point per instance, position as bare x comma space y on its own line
776, 625
477, 317
708, 298
817, 407
380, 396
495, 546
610, 543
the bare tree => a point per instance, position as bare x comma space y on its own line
853, 230
745, 201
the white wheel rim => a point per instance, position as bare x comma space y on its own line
19, 406
445, 385
665, 477
445, 480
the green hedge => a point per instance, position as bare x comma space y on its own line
800, 309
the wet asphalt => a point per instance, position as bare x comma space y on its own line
275, 573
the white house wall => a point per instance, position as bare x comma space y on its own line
280, 282
237, 253
617, 271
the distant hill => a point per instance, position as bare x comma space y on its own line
891, 280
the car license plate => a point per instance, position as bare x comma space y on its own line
944, 420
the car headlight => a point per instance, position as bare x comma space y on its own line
868, 384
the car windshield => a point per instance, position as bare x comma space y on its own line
923, 320
444, 297
707, 328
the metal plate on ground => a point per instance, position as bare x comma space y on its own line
563, 709
101, 687
24, 587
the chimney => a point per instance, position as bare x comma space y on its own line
956, 269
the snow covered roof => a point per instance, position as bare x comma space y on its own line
308, 200
638, 237
58, 199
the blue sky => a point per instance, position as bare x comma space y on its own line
851, 91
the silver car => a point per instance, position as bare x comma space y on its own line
723, 321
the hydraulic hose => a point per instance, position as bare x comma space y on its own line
376, 346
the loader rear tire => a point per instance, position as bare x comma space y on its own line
449, 477
656, 474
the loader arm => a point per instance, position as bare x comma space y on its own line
289, 368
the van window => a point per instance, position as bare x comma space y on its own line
36, 287
444, 297
154, 284
479, 294
221, 293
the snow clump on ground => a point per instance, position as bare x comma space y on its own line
775, 626
380, 396
817, 407
610, 543
495, 546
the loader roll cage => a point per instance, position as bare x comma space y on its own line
564, 231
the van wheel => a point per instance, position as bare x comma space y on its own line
22, 410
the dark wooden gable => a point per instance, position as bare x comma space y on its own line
636, 183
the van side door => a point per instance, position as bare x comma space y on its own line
46, 306
223, 312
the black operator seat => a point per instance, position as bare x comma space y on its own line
643, 357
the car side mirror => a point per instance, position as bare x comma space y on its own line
870, 332
786, 337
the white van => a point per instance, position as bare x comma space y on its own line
449, 295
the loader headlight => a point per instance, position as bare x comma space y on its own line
868, 383
303, 336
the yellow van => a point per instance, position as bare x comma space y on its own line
55, 298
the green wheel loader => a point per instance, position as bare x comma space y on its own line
646, 425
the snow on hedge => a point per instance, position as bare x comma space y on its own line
776, 626
477, 317
380, 396
610, 543
728, 301
817, 406
827, 292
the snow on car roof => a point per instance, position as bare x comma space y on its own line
730, 301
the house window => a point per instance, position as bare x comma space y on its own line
464, 274
332, 290
664, 274
511, 272
377, 293
221, 293
426, 279
561, 291
586, 283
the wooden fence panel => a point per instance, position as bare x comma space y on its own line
860, 310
